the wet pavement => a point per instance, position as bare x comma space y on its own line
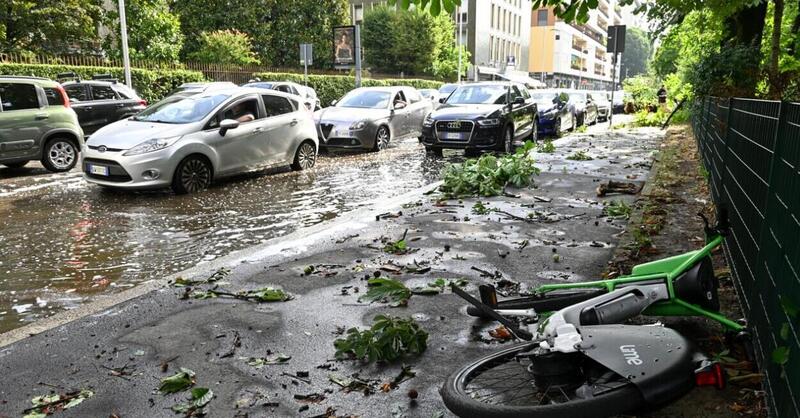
63, 240
119, 352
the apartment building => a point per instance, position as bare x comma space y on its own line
496, 33
572, 55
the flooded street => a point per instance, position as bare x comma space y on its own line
63, 240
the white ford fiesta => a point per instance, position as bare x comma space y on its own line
187, 142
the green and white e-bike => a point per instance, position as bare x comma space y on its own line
579, 359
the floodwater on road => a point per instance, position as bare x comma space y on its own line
63, 240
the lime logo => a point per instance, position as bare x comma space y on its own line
631, 356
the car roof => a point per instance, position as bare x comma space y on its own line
40, 80
206, 84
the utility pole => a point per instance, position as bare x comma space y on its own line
123, 27
358, 56
613, 88
459, 24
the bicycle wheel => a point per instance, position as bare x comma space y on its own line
546, 302
502, 384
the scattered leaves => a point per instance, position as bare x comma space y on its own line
198, 399
389, 339
177, 382
259, 362
49, 404
384, 289
488, 175
579, 156
438, 286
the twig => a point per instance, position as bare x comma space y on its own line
306, 381
61, 399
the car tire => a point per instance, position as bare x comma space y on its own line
436, 152
305, 157
508, 140
60, 154
17, 164
557, 132
382, 137
574, 124
579, 120
534, 136
193, 174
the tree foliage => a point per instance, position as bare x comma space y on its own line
410, 41
154, 32
637, 53
435, 7
275, 27
224, 46
50, 27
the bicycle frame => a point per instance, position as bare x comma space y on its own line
666, 270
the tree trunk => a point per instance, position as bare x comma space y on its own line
775, 85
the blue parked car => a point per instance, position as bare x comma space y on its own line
556, 112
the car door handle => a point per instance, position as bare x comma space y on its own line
293, 122
88, 108
121, 105
40, 116
258, 130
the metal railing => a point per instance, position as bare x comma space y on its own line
751, 152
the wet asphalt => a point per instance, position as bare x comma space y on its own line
139, 335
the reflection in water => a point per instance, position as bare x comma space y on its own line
61, 244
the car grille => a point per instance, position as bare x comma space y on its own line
326, 129
454, 126
97, 148
115, 171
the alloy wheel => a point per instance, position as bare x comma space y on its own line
509, 145
62, 155
195, 175
306, 156
382, 138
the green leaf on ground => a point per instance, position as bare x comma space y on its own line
177, 382
617, 209
259, 362
438, 286
383, 289
395, 247
546, 147
198, 399
389, 339
579, 156
267, 294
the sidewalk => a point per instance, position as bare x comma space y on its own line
119, 353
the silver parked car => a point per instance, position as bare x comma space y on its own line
370, 117
307, 93
188, 89
185, 142
603, 104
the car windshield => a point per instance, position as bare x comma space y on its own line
181, 109
366, 99
260, 85
447, 88
479, 94
544, 97
426, 93
577, 97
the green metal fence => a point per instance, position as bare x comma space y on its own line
751, 150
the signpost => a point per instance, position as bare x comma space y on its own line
123, 28
616, 46
306, 59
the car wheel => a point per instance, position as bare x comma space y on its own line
18, 164
508, 141
381, 139
580, 120
557, 127
535, 131
60, 154
437, 152
305, 157
192, 175
574, 122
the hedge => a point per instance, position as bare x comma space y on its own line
333, 87
152, 85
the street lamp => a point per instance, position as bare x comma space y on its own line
123, 27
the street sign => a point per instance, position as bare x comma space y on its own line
616, 39
306, 54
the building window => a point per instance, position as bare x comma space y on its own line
464, 18
541, 17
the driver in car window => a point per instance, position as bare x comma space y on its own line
398, 100
241, 113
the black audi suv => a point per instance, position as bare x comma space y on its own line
482, 116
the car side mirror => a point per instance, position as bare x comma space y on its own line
399, 105
333, 102
442, 99
519, 100
73, 100
227, 125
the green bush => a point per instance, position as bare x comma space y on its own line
152, 85
333, 87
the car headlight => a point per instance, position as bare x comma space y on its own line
358, 125
428, 122
489, 122
151, 145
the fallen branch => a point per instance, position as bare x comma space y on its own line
618, 187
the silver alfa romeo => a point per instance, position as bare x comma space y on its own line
186, 142
370, 117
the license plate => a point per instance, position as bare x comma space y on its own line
343, 133
452, 135
99, 170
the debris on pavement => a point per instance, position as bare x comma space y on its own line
259, 362
185, 378
384, 289
389, 339
612, 186
48, 404
198, 399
